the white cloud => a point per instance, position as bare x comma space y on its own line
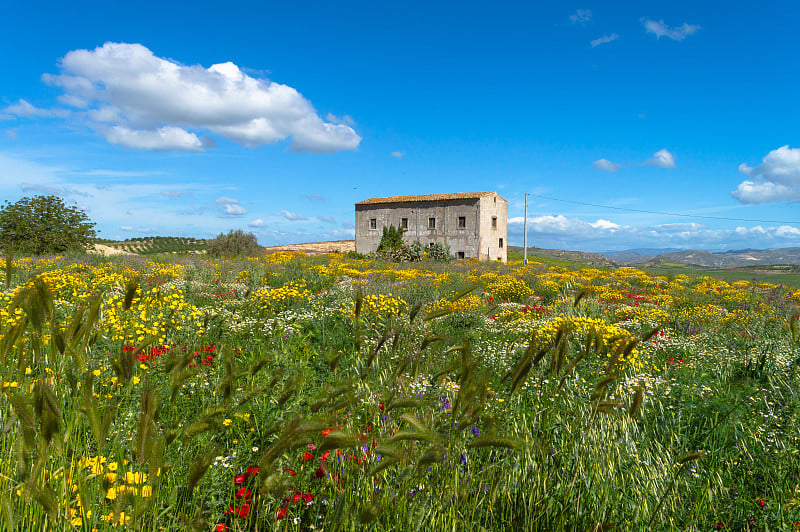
326, 219
258, 222
776, 178
606, 165
24, 109
558, 231
604, 39
677, 33
661, 159
11, 133
346, 119
605, 224
293, 216
397, 154
229, 207
581, 16
164, 138
139, 100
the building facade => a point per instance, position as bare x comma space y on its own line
473, 224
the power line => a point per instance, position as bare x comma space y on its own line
662, 213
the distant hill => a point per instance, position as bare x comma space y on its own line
582, 257
158, 244
627, 257
728, 259
637, 255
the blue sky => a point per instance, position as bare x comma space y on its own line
196, 118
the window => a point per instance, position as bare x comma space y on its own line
494, 222
501, 243
462, 222
460, 255
404, 224
431, 223
373, 223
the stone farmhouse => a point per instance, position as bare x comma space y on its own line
473, 224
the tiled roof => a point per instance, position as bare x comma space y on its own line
426, 197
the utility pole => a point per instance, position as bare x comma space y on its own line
525, 234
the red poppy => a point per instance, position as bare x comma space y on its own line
327, 431
244, 493
321, 472
762, 503
325, 456
221, 527
282, 513
311, 446
306, 457
308, 498
296, 497
290, 472
243, 511
240, 479
252, 470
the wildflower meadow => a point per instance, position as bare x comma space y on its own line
288, 392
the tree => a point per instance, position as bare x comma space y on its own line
234, 244
392, 238
44, 224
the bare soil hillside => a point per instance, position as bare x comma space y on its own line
107, 251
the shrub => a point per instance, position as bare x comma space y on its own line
234, 244
439, 252
44, 224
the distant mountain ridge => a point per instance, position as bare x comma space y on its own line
721, 259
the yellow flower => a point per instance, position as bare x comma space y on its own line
227, 422
135, 478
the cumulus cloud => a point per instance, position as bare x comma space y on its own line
163, 139
606, 165
258, 222
776, 178
139, 100
581, 16
676, 33
604, 39
25, 110
661, 159
229, 207
293, 216
397, 154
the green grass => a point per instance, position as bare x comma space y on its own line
431, 421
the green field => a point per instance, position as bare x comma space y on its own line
295, 393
